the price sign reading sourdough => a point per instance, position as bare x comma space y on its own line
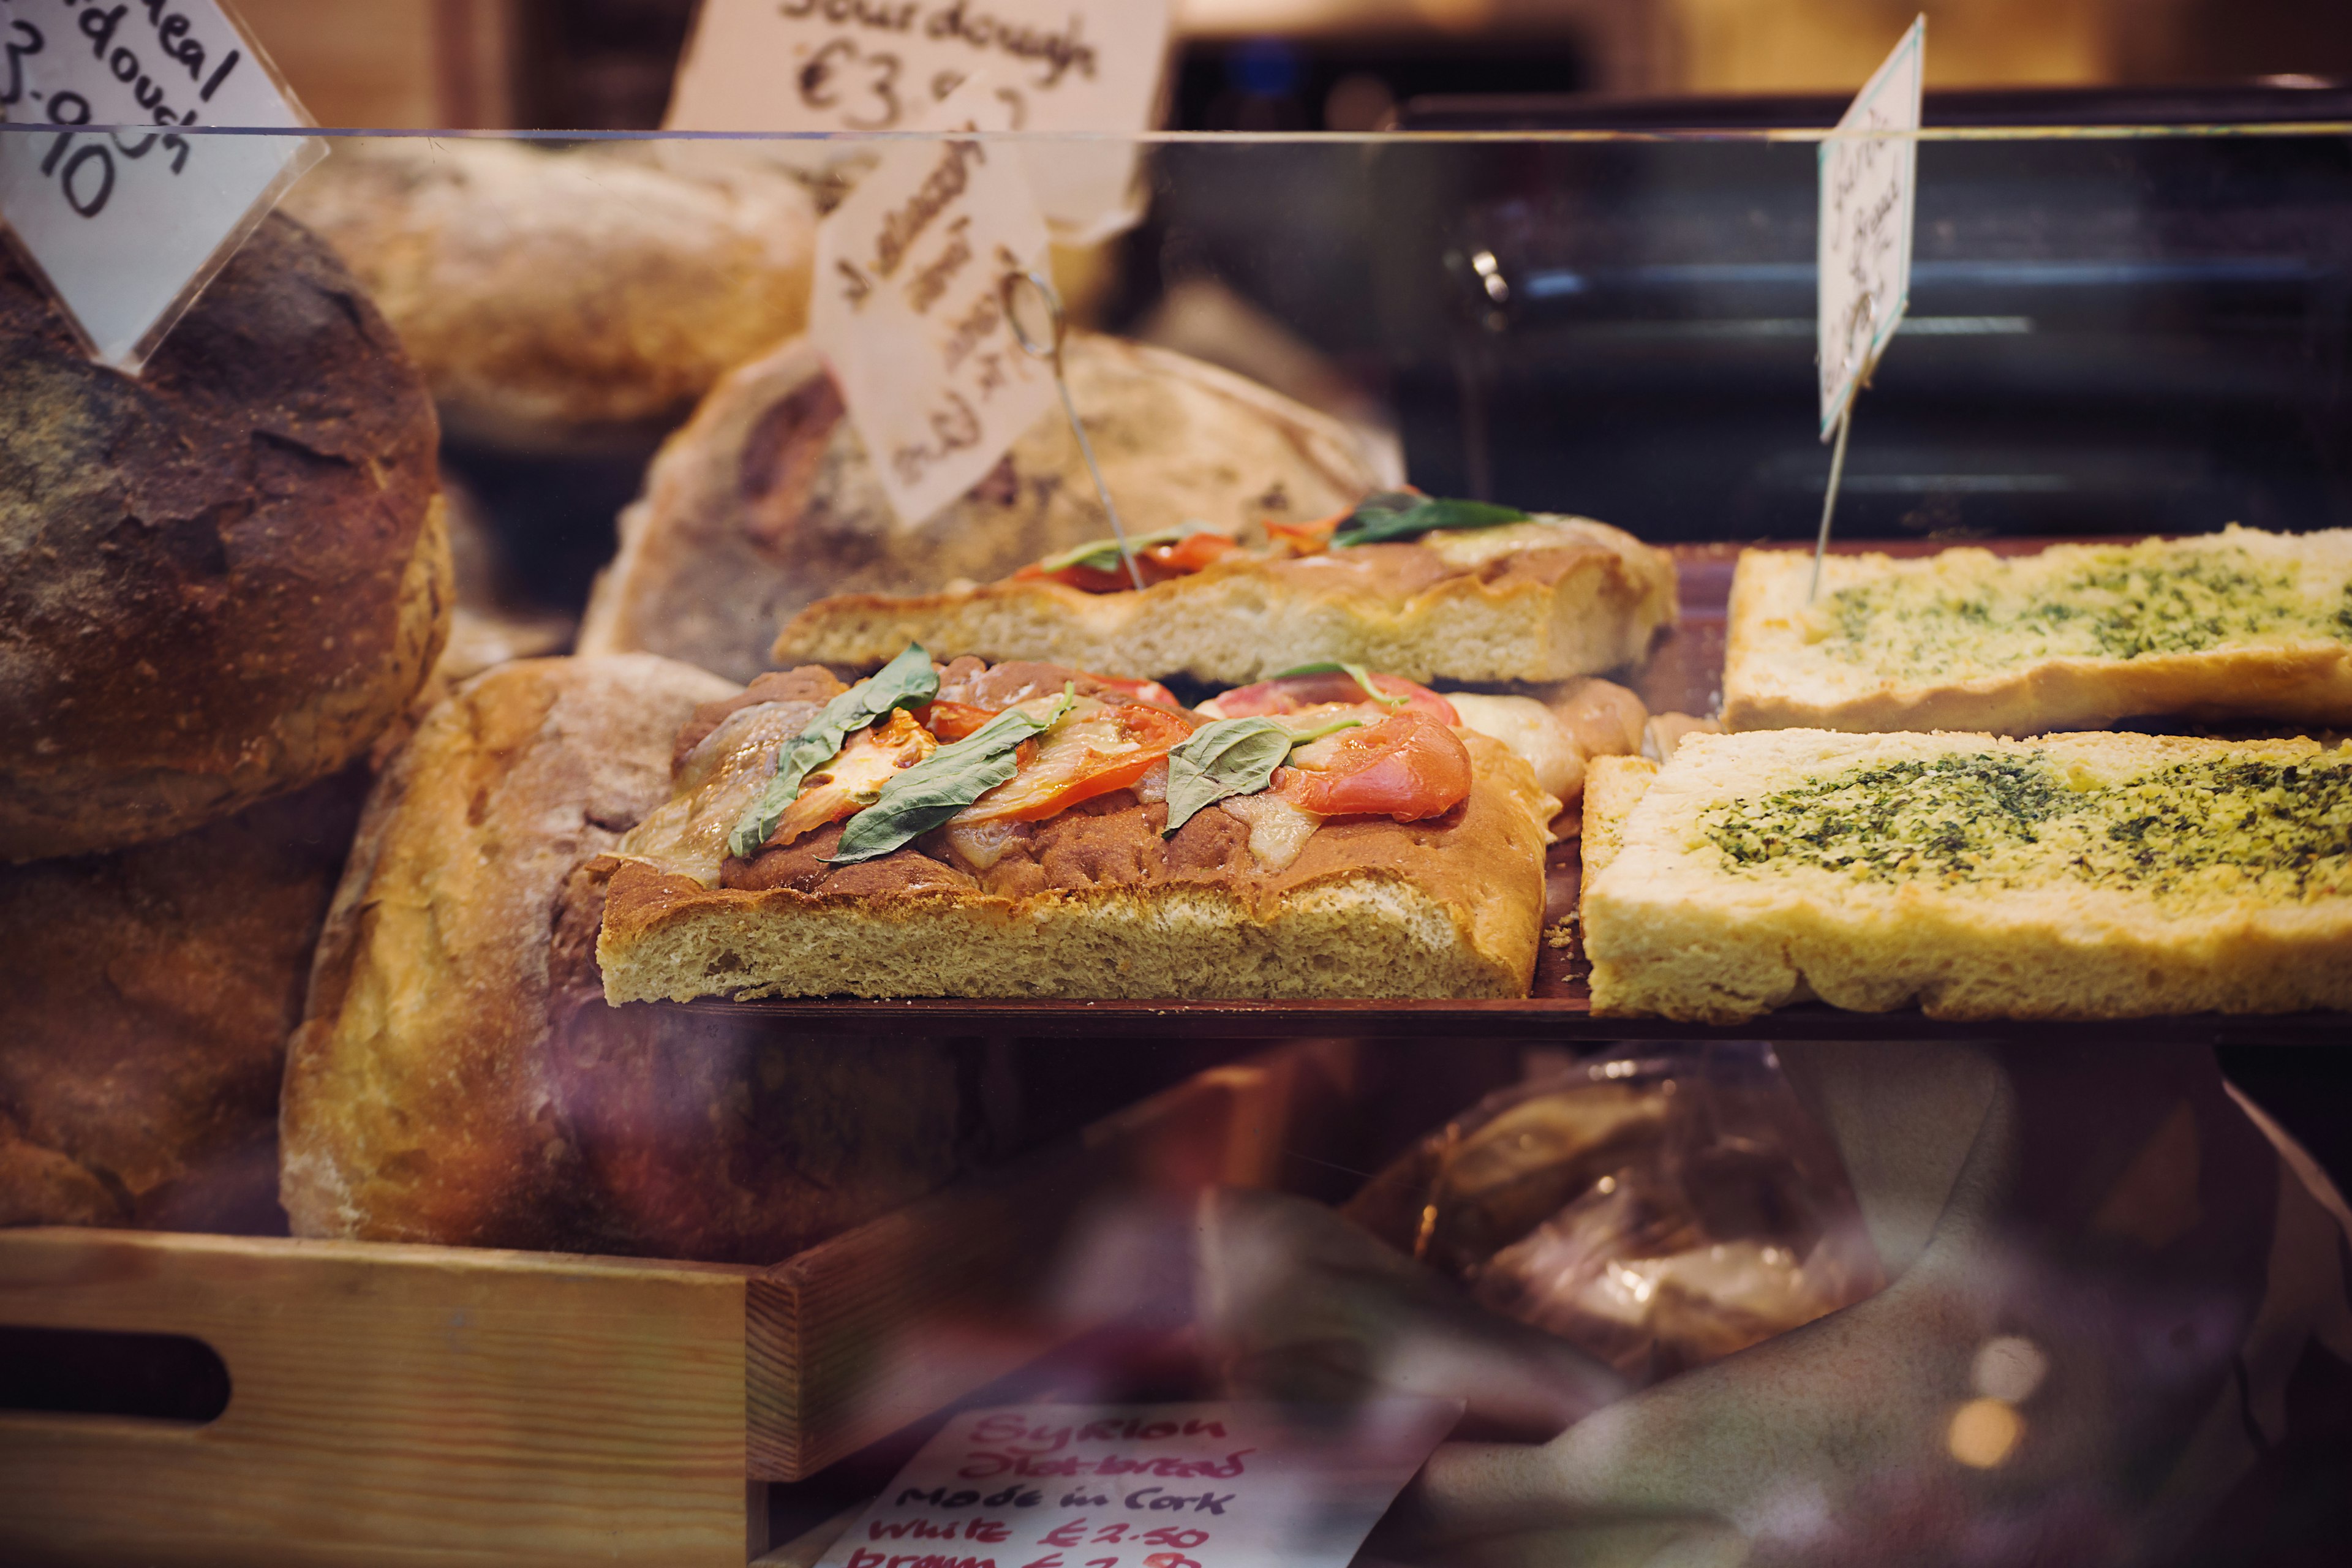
1869, 176
1230, 1485
119, 201
908, 308
861, 66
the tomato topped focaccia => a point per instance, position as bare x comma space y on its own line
1026, 829
1419, 587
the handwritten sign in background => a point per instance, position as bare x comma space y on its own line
1869, 170
127, 226
863, 66
909, 310
1229, 1485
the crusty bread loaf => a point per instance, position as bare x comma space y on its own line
219, 579
148, 995
545, 291
1370, 908
2075, 876
1534, 601
767, 501
2240, 624
458, 1078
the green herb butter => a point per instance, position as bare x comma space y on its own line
2186, 833
2123, 603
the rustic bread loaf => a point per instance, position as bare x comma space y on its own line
458, 1077
2073, 877
218, 581
767, 501
1537, 601
2233, 625
148, 995
544, 291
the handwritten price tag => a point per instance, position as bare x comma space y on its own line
852, 66
1869, 183
908, 310
1160, 1486
129, 221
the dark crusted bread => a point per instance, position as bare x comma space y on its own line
148, 994
458, 1077
217, 580
767, 501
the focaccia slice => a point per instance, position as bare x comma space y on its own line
2073, 877
1546, 599
1251, 897
2234, 626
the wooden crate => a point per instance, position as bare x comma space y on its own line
413, 1405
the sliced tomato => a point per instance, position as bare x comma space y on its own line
847, 785
1099, 748
1158, 562
1297, 693
1141, 691
1305, 538
1411, 767
952, 721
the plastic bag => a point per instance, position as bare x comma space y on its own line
1658, 1212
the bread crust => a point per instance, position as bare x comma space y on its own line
1773, 680
1573, 597
457, 1078
766, 501
1371, 909
543, 293
218, 581
1674, 931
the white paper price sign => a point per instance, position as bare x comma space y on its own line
1168, 1486
128, 221
851, 66
1869, 171
910, 310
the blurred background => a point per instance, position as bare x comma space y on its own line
1318, 63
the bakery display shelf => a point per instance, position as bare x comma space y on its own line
388, 1402
1684, 675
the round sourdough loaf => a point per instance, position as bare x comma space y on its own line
767, 501
148, 995
219, 579
550, 296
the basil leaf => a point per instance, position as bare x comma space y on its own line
920, 798
907, 681
1102, 554
1230, 757
1233, 757
1399, 514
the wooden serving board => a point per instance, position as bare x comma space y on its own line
1685, 675
403, 1404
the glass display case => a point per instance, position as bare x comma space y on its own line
478, 1084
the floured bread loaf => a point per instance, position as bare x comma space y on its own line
1536, 601
148, 995
1087, 894
767, 501
2232, 626
222, 579
2073, 877
458, 1077
547, 294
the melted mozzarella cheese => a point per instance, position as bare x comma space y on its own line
1278, 830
